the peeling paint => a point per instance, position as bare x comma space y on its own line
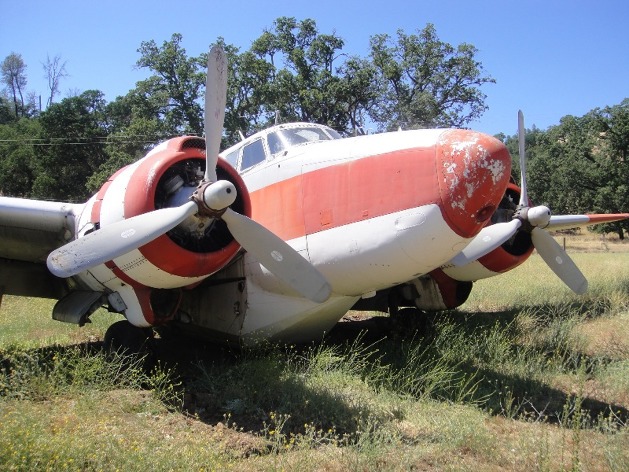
476, 169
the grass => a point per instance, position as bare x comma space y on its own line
28, 323
525, 376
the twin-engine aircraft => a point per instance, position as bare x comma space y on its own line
283, 234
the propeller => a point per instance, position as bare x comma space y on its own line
215, 100
211, 199
532, 220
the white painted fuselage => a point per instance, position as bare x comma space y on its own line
380, 227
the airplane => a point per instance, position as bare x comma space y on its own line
284, 232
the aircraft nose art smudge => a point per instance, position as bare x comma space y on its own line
473, 172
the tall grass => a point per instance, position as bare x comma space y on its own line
43, 374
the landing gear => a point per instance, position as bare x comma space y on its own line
125, 338
407, 322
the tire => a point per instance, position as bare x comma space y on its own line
123, 337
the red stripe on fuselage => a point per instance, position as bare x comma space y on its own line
348, 192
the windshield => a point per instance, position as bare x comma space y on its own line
284, 138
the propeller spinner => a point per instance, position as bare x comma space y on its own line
212, 198
532, 220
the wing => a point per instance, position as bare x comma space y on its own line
29, 231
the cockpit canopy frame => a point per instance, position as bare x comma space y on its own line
276, 141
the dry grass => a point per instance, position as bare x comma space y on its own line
587, 241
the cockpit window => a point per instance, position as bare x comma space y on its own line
282, 139
232, 158
294, 136
275, 142
252, 154
334, 134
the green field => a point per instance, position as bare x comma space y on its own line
525, 376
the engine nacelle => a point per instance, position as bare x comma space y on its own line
506, 257
183, 257
435, 291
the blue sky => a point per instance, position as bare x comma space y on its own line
549, 58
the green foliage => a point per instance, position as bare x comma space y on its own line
125, 147
294, 69
74, 131
13, 77
307, 86
19, 150
173, 91
426, 82
6, 113
582, 163
249, 87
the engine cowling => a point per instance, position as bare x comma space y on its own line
183, 257
435, 291
506, 257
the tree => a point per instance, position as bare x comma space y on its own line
166, 104
75, 132
55, 71
248, 83
14, 79
611, 126
582, 163
359, 92
134, 126
291, 68
307, 87
20, 144
303, 75
6, 111
125, 147
426, 82
175, 86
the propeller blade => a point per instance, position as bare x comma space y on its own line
115, 240
559, 261
524, 200
278, 257
558, 222
215, 100
489, 238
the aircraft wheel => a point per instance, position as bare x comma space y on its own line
410, 321
123, 337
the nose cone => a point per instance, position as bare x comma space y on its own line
474, 171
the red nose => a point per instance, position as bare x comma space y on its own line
473, 171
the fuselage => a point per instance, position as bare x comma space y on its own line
369, 212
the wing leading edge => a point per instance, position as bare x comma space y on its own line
29, 231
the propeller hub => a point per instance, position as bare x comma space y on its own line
535, 217
539, 216
213, 198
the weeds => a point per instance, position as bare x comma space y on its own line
42, 374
